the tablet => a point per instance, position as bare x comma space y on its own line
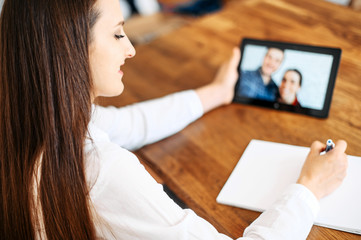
286, 76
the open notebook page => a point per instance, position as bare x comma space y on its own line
266, 169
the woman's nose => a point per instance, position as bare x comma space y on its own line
130, 51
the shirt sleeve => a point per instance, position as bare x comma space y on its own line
290, 217
143, 123
130, 205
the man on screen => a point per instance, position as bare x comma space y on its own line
290, 85
258, 83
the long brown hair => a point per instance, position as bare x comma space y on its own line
45, 105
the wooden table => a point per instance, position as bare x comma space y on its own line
196, 162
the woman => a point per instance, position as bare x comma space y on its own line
63, 174
290, 86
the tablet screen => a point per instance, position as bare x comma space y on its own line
285, 76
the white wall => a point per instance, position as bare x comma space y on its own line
341, 2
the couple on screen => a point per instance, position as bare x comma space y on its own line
259, 84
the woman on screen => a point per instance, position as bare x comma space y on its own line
289, 87
65, 172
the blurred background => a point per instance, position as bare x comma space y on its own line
149, 19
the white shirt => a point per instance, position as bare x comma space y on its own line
130, 204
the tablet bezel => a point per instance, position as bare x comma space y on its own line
323, 113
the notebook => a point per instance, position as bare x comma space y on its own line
271, 167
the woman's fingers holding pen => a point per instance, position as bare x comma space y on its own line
317, 147
322, 174
341, 145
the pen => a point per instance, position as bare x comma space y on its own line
329, 145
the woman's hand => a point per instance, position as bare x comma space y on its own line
322, 174
221, 90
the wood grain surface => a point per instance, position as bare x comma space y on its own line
196, 162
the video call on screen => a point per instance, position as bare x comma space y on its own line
297, 77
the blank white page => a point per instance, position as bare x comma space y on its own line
266, 169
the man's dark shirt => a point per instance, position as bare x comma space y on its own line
251, 85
